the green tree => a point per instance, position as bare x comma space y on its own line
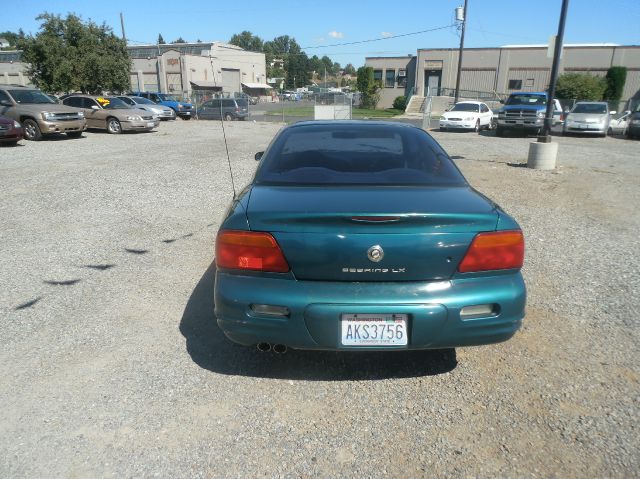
12, 37
161, 39
369, 88
580, 86
179, 40
616, 78
315, 65
69, 54
247, 41
349, 69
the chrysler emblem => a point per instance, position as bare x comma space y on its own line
375, 253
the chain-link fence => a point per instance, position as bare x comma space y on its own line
286, 107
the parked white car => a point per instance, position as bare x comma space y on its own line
467, 115
617, 126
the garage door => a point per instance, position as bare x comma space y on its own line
230, 80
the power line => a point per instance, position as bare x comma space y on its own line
379, 38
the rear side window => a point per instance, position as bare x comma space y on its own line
356, 154
73, 101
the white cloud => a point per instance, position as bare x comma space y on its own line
334, 34
386, 34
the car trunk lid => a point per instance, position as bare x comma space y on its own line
327, 233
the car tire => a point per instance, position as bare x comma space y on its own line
228, 117
11, 143
74, 134
31, 130
610, 131
186, 118
113, 126
477, 127
499, 131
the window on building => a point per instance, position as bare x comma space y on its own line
402, 78
390, 78
377, 76
515, 84
529, 82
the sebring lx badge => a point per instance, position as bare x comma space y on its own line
374, 270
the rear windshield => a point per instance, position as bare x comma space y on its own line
343, 154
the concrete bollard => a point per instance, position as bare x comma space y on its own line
542, 156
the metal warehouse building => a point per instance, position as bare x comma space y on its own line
176, 68
498, 70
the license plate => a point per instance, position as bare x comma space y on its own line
151, 124
374, 329
584, 127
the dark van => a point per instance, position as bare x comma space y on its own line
227, 108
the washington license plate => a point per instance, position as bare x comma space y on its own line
374, 329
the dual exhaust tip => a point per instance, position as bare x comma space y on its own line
276, 348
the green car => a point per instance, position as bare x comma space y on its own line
365, 236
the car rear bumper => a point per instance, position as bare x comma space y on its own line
433, 310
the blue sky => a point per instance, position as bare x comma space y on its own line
312, 23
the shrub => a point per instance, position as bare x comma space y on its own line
616, 78
400, 103
580, 86
368, 88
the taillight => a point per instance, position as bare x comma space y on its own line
494, 250
249, 250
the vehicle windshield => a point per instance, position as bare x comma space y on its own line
30, 96
526, 100
465, 107
142, 101
595, 108
165, 97
112, 103
356, 155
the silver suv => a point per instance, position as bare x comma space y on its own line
39, 114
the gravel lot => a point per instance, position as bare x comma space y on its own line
112, 365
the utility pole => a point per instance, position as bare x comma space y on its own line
545, 136
124, 37
464, 23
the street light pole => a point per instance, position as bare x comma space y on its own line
545, 136
464, 23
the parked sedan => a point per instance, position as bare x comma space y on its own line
161, 111
358, 235
467, 115
10, 131
588, 117
112, 114
633, 130
618, 126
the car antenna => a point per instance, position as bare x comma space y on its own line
224, 133
226, 147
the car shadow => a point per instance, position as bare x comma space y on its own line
211, 350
